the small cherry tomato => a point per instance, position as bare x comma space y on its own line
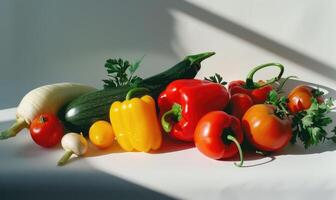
299, 99
264, 129
101, 134
218, 135
46, 130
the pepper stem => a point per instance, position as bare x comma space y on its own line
65, 158
249, 80
233, 139
175, 113
130, 94
14, 129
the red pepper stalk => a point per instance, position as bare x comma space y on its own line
184, 102
244, 94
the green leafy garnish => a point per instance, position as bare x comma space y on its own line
317, 93
280, 102
216, 79
121, 72
309, 125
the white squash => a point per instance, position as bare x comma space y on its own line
44, 99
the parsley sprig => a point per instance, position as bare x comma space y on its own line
280, 103
309, 125
121, 72
216, 79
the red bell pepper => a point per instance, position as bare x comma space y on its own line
184, 102
219, 135
251, 92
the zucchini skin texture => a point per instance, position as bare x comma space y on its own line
83, 111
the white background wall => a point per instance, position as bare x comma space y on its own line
69, 40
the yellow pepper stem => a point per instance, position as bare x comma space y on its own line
174, 113
130, 94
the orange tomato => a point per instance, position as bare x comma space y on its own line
299, 98
101, 134
265, 130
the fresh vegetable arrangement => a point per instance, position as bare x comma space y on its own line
88, 108
134, 112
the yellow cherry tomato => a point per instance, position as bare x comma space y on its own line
101, 134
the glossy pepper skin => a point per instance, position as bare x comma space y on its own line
258, 95
194, 98
218, 135
135, 123
249, 92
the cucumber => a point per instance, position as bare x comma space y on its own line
79, 114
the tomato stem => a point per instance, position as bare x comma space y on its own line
14, 129
233, 139
65, 158
42, 119
175, 113
249, 80
130, 94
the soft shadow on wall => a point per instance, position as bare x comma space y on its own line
253, 37
53, 41
45, 42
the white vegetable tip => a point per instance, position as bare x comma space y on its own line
75, 142
49, 99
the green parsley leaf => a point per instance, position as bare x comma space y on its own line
309, 125
280, 102
216, 79
317, 93
120, 72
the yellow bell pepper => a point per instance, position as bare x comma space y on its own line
135, 123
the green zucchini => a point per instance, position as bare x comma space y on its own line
88, 108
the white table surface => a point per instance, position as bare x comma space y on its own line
178, 170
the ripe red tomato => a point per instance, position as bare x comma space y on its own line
299, 98
264, 130
46, 130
